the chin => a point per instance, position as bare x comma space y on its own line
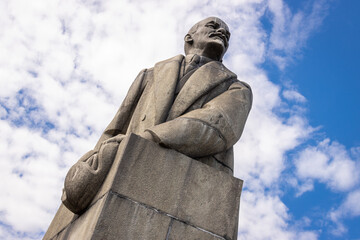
216, 49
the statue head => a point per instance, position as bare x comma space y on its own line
209, 38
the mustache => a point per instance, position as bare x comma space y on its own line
218, 34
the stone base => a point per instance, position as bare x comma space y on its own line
155, 193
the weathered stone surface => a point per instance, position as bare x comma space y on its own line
128, 187
113, 217
210, 200
152, 175
181, 231
192, 104
124, 219
178, 185
84, 226
85, 178
61, 220
145, 189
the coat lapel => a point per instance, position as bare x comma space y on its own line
166, 74
202, 81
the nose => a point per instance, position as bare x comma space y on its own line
222, 30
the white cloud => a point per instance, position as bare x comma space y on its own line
291, 31
329, 163
302, 187
267, 137
293, 95
348, 209
70, 63
28, 159
266, 218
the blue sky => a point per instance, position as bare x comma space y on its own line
327, 75
65, 67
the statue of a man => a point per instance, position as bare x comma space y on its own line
192, 104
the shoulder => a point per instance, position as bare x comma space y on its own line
177, 58
235, 83
240, 84
220, 67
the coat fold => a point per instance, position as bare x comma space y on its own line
203, 121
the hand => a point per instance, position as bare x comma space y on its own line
147, 135
118, 138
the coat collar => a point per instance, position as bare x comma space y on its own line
166, 74
202, 81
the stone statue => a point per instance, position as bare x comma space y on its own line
192, 104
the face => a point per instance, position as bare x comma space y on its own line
211, 38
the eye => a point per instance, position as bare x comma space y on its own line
227, 35
210, 25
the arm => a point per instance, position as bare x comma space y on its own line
85, 177
120, 121
211, 129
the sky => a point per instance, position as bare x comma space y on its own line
65, 67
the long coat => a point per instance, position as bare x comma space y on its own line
203, 121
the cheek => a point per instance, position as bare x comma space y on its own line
205, 31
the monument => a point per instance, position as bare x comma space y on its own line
163, 167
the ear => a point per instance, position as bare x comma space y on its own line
188, 39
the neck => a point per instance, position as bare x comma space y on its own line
203, 53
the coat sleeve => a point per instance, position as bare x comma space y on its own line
119, 122
211, 129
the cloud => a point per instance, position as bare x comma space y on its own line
66, 66
302, 187
329, 163
350, 208
291, 31
28, 159
268, 137
267, 218
292, 95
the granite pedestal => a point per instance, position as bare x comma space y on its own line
155, 193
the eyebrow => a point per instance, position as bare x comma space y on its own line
212, 22
218, 25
